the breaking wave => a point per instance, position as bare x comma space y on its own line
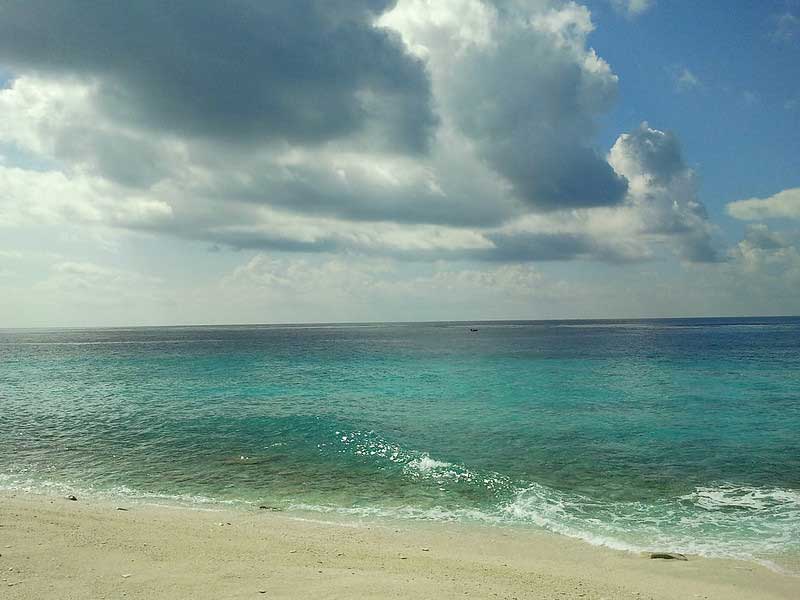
723, 520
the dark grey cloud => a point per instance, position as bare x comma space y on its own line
304, 71
313, 190
508, 249
247, 240
538, 246
762, 237
530, 103
505, 247
120, 157
698, 247
527, 247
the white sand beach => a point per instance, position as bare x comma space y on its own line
57, 548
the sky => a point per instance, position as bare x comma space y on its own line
200, 162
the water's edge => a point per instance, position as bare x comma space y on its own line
785, 563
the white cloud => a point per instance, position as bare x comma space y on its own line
786, 27
663, 192
55, 197
768, 262
685, 80
661, 213
82, 292
783, 205
750, 98
332, 288
57, 121
109, 283
632, 8
525, 94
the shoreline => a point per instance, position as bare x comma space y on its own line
786, 563
54, 547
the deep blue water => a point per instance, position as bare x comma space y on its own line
668, 434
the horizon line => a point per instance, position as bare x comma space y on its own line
423, 322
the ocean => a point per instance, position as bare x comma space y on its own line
679, 435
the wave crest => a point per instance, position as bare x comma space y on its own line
730, 496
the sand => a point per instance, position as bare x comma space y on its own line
56, 548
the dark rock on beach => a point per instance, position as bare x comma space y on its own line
668, 555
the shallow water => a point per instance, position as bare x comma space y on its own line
677, 434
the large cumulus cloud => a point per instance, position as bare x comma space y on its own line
663, 192
518, 79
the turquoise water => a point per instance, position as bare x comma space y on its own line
667, 434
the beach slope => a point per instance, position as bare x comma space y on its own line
56, 548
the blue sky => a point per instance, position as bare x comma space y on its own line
739, 122
378, 160
739, 118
